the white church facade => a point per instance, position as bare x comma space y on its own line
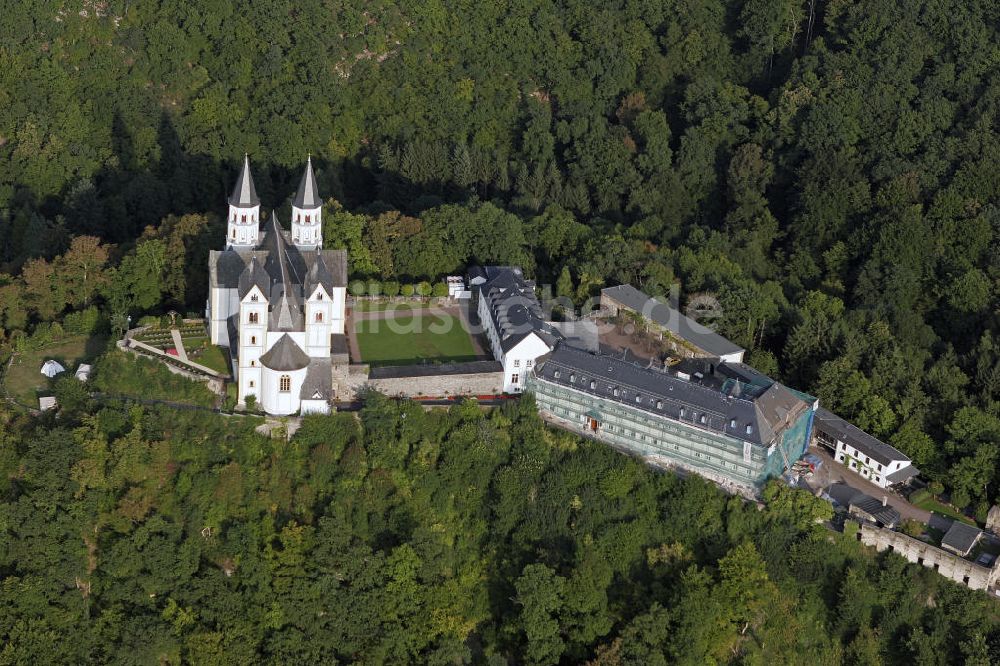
277, 300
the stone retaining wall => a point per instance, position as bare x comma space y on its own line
950, 566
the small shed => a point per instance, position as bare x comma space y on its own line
52, 368
46, 403
83, 372
961, 538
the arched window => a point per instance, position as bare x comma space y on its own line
244, 219
252, 318
298, 218
253, 297
285, 384
308, 219
253, 339
234, 233
253, 364
319, 317
252, 384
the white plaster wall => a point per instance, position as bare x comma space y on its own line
277, 402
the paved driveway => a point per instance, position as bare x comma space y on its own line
831, 472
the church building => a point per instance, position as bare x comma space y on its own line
277, 300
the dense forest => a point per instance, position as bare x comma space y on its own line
442, 537
827, 170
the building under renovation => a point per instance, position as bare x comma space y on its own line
723, 420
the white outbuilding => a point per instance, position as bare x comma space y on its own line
52, 368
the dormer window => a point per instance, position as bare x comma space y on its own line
749, 429
593, 385
556, 374
638, 398
572, 378
682, 412
659, 404
704, 419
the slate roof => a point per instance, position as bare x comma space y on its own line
254, 275
683, 327
960, 537
286, 311
901, 475
318, 384
318, 274
285, 356
834, 426
884, 514
307, 196
514, 309
226, 266
759, 417
244, 193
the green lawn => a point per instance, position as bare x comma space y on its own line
23, 379
407, 340
202, 351
934, 506
381, 306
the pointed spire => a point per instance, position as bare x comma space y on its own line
244, 194
307, 196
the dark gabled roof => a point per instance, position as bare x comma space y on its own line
435, 369
318, 384
307, 196
882, 513
683, 327
834, 426
285, 298
244, 194
254, 275
759, 417
961, 537
514, 308
318, 275
285, 356
901, 475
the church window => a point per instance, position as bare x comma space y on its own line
253, 364
234, 234
244, 218
308, 219
319, 317
252, 318
253, 339
253, 297
298, 218
252, 384
319, 296
285, 384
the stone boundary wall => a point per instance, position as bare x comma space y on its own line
357, 378
953, 567
471, 384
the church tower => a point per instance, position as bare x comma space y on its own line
244, 211
307, 212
